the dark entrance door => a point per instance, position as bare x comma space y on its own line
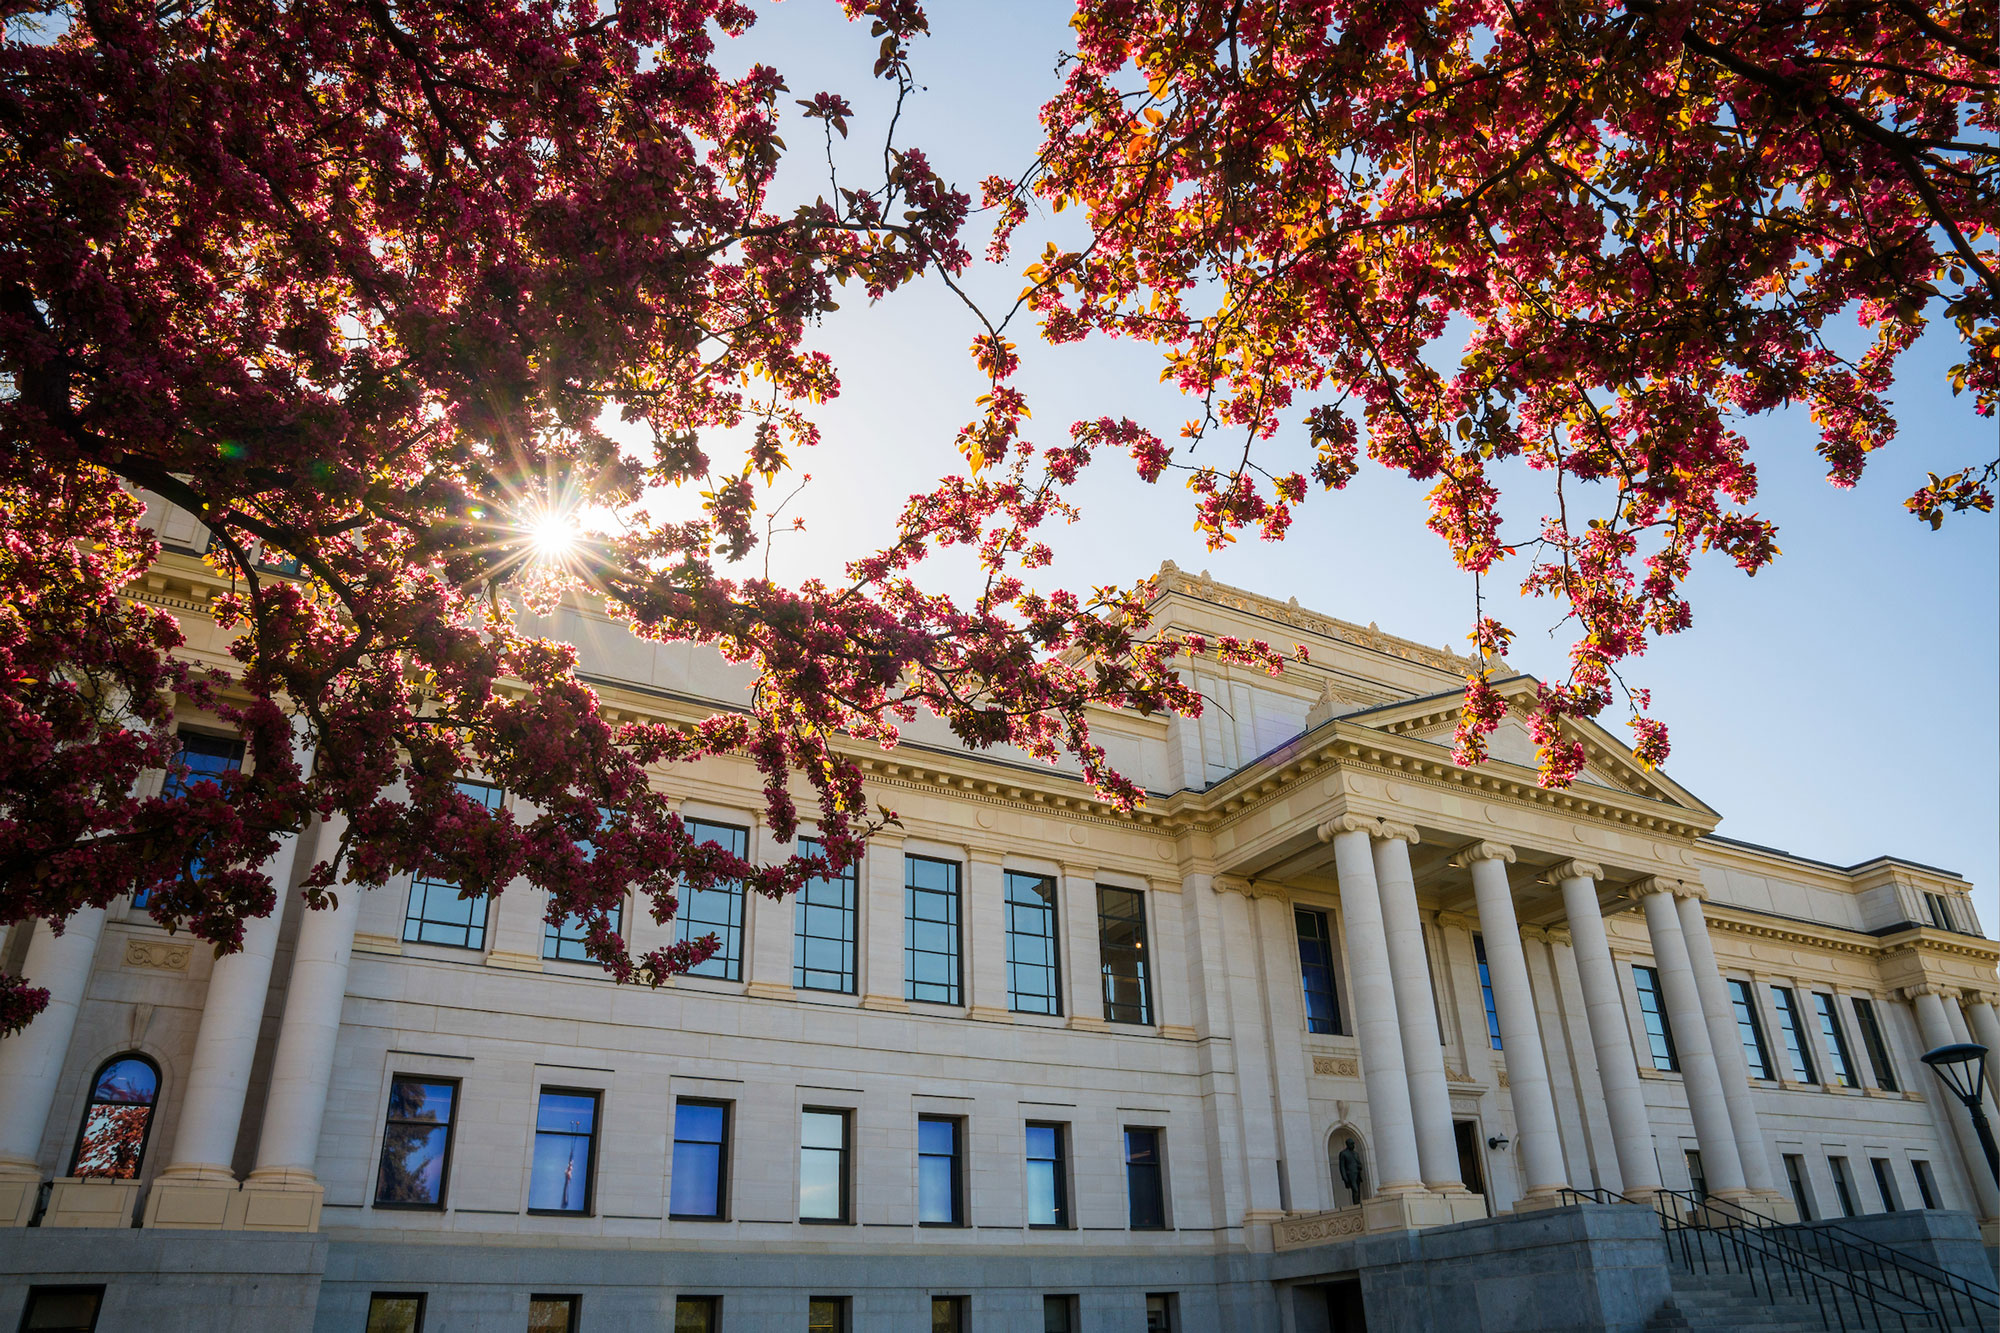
1471, 1166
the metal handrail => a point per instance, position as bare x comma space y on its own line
1752, 1251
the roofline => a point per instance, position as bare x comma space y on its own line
1858, 866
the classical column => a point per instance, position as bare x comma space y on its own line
1720, 1162
882, 923
288, 1192
986, 934
1538, 1144
31, 1060
1986, 1031
1934, 1026
198, 1185
1727, 1040
1395, 1166
1416, 1010
1076, 902
1298, 1146
1617, 1068
1250, 1053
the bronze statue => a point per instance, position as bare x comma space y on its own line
1350, 1170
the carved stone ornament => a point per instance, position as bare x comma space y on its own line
1317, 1229
1589, 870
1652, 884
1403, 831
1503, 1080
1337, 1066
1346, 824
1457, 1076
1487, 851
165, 955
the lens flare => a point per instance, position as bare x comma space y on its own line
553, 534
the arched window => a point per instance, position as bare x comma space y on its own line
117, 1118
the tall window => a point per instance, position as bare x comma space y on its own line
697, 1314
1795, 1176
940, 1172
1048, 1189
1697, 1177
62, 1309
826, 1314
823, 929
552, 1314
1121, 944
930, 930
1755, 1053
1058, 1314
700, 1187
718, 909
396, 1312
1925, 1185
416, 1143
565, 1146
1145, 1188
206, 759
1486, 991
438, 913
1792, 1029
1034, 978
1652, 1009
1871, 1042
1940, 910
1316, 970
1885, 1184
117, 1120
823, 1148
1840, 1065
1162, 1309
564, 940
1842, 1186
947, 1314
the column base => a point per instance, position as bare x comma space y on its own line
194, 1202
516, 962
1085, 1023
894, 1004
20, 1182
1465, 1206
1407, 1211
281, 1199
1773, 1204
1178, 1032
1537, 1200
84, 1201
986, 1013
769, 990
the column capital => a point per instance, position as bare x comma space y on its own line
985, 855
1652, 884
1078, 870
1346, 824
1973, 995
1930, 988
1454, 921
1589, 870
1486, 851
1389, 832
1229, 884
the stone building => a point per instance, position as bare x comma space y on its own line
1324, 1001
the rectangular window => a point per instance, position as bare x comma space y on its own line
1842, 1186
1145, 1189
1885, 1184
416, 1143
1121, 945
1697, 1178
565, 1151
563, 940
823, 1149
552, 1314
1792, 1030
1653, 1010
930, 931
1871, 1042
1162, 1312
1315, 932
1926, 1186
1486, 991
700, 1186
1034, 976
1940, 910
1058, 1314
207, 759
438, 913
718, 909
1755, 1053
1840, 1066
1795, 1176
826, 1314
69, 1310
940, 1172
947, 1314
823, 921
1048, 1186
697, 1314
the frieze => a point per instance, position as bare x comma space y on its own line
1316, 1228
1337, 1066
165, 955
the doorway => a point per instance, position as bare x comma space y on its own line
1471, 1163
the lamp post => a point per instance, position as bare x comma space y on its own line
1962, 1066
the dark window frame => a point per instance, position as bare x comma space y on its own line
422, 1298
1873, 1042
1067, 1303
712, 1304
843, 1319
1653, 1019
562, 942
1792, 1033
59, 1289
960, 1312
1049, 1004
1140, 974
1750, 1029
1839, 1058
1885, 1183
1486, 990
722, 1148
1170, 1306
846, 1165
1059, 1166
957, 1159
1843, 1186
1795, 1176
1158, 1169
732, 928
1330, 1021
803, 908
415, 920
1926, 1183
953, 989
91, 1103
176, 784
596, 1096
450, 1127
573, 1302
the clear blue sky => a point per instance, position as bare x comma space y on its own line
1840, 705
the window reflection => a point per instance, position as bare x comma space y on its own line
112, 1143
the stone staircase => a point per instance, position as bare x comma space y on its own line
1718, 1301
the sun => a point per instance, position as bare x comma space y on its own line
553, 534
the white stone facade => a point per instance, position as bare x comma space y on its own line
1329, 788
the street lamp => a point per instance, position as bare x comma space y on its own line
1962, 1066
